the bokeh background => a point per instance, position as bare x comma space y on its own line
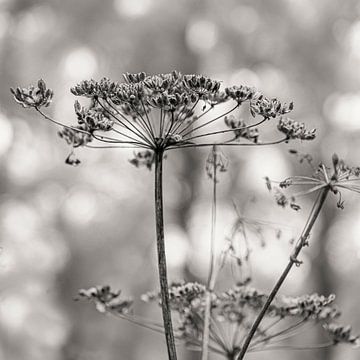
64, 228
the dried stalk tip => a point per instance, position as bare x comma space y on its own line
295, 130
143, 158
241, 130
32, 96
268, 108
216, 162
341, 334
106, 300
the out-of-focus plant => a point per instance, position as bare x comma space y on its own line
323, 182
155, 115
243, 319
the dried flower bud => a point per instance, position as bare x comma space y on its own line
107, 300
87, 88
143, 158
216, 161
36, 97
342, 334
268, 183
295, 206
134, 78
75, 138
241, 130
286, 183
268, 108
171, 83
95, 117
240, 93
201, 85
72, 160
295, 130
280, 198
314, 306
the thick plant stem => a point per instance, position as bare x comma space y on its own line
293, 260
164, 289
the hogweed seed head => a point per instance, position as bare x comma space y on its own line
268, 108
340, 177
164, 112
143, 158
342, 334
240, 93
241, 130
295, 130
314, 306
234, 310
74, 137
216, 162
107, 300
32, 96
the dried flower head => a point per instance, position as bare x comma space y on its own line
337, 178
241, 130
233, 311
75, 137
314, 306
240, 93
201, 86
143, 158
106, 300
216, 162
341, 334
32, 96
268, 108
163, 112
295, 130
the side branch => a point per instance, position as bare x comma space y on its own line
293, 260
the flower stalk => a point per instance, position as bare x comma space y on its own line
303, 241
164, 290
212, 271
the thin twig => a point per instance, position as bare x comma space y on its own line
208, 122
226, 130
194, 145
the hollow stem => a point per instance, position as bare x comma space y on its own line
293, 260
164, 290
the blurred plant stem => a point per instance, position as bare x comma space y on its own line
302, 241
212, 271
164, 288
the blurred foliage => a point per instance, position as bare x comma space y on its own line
62, 228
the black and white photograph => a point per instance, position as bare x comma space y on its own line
179, 180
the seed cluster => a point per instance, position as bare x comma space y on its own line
295, 130
314, 306
336, 178
342, 334
236, 308
107, 300
33, 96
241, 130
163, 112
